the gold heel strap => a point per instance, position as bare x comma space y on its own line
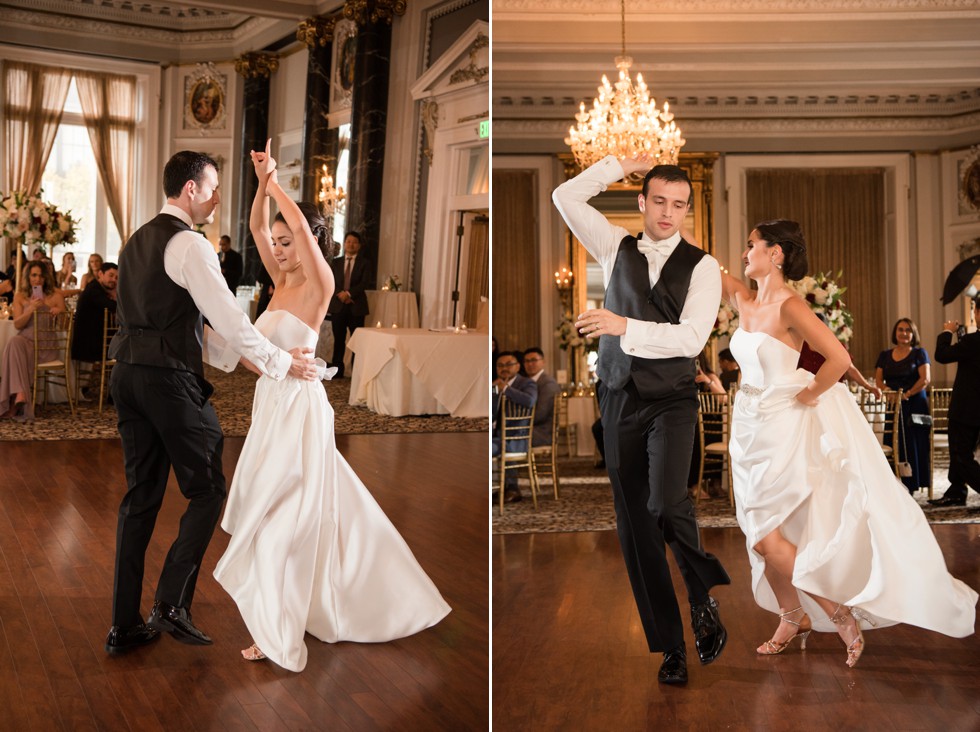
784, 616
839, 618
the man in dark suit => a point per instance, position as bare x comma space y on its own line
231, 263
98, 296
168, 277
661, 300
520, 390
548, 388
353, 275
964, 409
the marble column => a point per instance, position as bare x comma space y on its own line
256, 68
369, 113
320, 143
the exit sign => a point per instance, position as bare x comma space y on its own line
484, 129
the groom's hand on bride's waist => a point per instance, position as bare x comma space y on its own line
302, 366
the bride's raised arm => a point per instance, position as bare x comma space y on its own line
731, 287
258, 220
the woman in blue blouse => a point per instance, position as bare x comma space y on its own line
906, 367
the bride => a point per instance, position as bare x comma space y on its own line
310, 549
834, 540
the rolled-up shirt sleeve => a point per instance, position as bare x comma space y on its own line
666, 340
191, 262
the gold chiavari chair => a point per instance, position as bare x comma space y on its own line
516, 430
546, 456
884, 415
939, 431
714, 423
52, 354
109, 328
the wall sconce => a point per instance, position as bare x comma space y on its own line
564, 283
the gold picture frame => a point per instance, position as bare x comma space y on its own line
205, 94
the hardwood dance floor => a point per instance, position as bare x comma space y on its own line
569, 653
58, 504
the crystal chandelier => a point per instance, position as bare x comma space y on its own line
331, 199
624, 120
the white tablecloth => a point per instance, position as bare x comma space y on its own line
581, 415
392, 308
399, 371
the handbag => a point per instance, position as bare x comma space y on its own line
925, 420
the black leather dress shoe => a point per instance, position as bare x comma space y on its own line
176, 621
121, 640
512, 496
674, 668
947, 501
710, 635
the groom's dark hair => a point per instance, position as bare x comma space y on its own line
182, 167
669, 174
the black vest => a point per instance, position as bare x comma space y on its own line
628, 293
159, 324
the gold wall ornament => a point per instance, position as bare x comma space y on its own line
624, 120
317, 30
430, 122
257, 63
364, 12
473, 71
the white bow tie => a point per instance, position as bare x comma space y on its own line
662, 248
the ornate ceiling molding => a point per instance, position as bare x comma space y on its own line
85, 26
156, 14
742, 7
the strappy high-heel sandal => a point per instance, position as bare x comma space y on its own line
253, 653
856, 647
772, 647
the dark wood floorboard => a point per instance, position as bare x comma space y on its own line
569, 652
58, 505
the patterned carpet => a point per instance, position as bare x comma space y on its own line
585, 504
232, 401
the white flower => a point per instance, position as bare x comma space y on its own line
820, 295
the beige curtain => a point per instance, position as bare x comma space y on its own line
34, 99
109, 109
477, 269
842, 212
516, 296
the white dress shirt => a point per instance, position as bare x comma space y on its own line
192, 263
602, 239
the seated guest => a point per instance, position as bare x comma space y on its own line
548, 388
729, 369
65, 277
231, 263
520, 390
37, 293
6, 286
94, 266
96, 298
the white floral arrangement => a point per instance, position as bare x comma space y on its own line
393, 283
821, 293
567, 336
30, 220
726, 322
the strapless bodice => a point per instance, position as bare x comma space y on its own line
762, 359
285, 330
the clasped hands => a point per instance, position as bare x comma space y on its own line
302, 366
597, 322
265, 164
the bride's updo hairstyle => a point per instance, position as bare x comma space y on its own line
318, 226
788, 235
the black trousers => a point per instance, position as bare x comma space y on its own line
648, 453
964, 469
342, 323
165, 420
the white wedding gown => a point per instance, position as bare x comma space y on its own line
819, 475
310, 549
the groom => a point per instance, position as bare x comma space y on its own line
168, 276
661, 300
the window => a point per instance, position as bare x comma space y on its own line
71, 180
341, 179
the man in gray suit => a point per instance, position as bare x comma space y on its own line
520, 390
548, 388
